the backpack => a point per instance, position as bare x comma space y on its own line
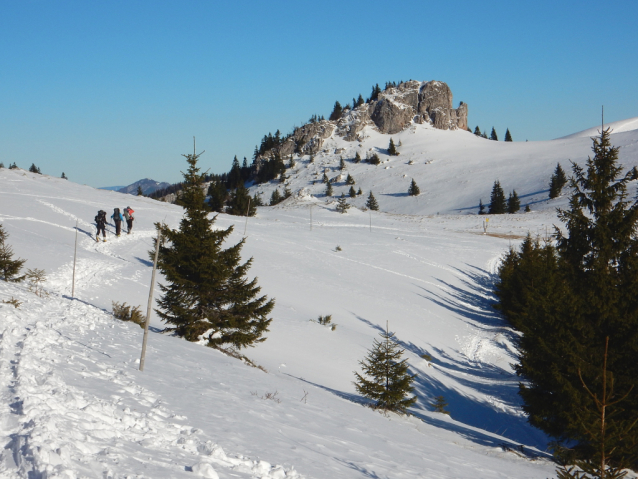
101, 216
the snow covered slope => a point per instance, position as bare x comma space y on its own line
454, 169
73, 403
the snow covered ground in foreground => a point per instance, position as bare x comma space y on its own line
73, 403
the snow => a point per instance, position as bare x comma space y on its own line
73, 403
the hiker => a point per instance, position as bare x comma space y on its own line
128, 216
100, 221
117, 219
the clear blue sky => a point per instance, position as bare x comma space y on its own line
112, 92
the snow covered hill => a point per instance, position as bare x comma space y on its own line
454, 169
73, 403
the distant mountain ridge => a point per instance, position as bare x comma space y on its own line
148, 186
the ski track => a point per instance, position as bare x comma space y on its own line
52, 429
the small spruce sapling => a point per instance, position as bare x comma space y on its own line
359, 192
392, 149
481, 210
508, 136
414, 190
64, 177
387, 381
357, 158
329, 189
352, 193
374, 159
342, 163
494, 136
513, 203
349, 180
372, 203
9, 268
439, 405
342, 204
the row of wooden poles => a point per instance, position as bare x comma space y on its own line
150, 294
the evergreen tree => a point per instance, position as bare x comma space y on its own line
527, 208
372, 203
374, 96
565, 300
513, 203
287, 193
217, 196
13, 166
360, 100
349, 180
63, 176
234, 176
498, 205
357, 158
275, 198
414, 189
336, 112
439, 405
2, 165
352, 193
240, 203
257, 200
484, 134
389, 381
342, 204
325, 178
329, 189
206, 294
292, 162
9, 268
508, 136
34, 169
392, 150
477, 131
481, 208
557, 182
139, 190
374, 159
494, 136
342, 164
359, 192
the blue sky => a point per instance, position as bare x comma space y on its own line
111, 92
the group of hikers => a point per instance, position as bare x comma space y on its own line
117, 217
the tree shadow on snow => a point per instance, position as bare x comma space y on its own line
496, 408
144, 261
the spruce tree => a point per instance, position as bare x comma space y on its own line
287, 193
329, 189
34, 169
1, 165
9, 267
139, 190
64, 177
13, 166
414, 190
494, 136
557, 182
374, 159
508, 136
336, 112
234, 176
513, 203
352, 193
357, 158
325, 178
372, 203
342, 204
342, 164
206, 295
481, 210
392, 150
359, 192
275, 198
217, 196
349, 180
389, 381
498, 204
566, 299
477, 131
240, 203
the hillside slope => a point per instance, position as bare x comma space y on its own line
75, 405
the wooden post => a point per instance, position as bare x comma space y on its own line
75, 255
247, 211
150, 300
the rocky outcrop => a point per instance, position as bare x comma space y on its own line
398, 106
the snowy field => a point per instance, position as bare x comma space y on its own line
73, 403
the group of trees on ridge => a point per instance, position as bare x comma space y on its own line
493, 135
32, 169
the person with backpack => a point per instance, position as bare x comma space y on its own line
128, 216
117, 219
100, 222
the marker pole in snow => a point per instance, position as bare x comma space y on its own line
75, 255
150, 301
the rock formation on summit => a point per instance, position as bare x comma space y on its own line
394, 110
